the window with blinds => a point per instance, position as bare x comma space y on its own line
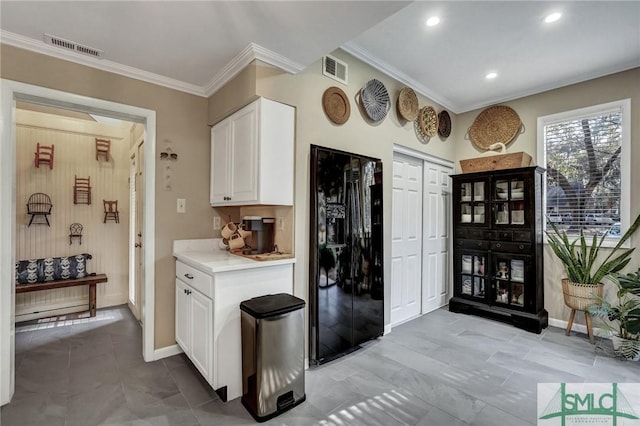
586, 155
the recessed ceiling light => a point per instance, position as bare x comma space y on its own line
491, 75
552, 17
433, 21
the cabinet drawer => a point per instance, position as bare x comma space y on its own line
522, 236
473, 234
502, 235
510, 247
196, 279
473, 244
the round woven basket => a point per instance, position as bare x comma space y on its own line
428, 121
408, 104
444, 124
581, 296
336, 105
498, 123
375, 99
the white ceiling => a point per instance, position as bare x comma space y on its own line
197, 46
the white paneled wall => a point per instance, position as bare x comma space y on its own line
74, 142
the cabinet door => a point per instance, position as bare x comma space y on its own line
201, 333
471, 202
471, 276
220, 162
244, 155
511, 198
513, 283
183, 317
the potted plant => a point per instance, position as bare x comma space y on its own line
583, 287
625, 314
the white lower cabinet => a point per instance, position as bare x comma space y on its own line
194, 325
208, 328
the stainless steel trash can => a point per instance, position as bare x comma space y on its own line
272, 328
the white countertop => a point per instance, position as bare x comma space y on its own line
206, 256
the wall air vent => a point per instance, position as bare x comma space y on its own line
73, 46
335, 69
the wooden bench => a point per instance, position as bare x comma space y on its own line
90, 280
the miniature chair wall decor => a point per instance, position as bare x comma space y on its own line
82, 190
103, 149
111, 211
75, 231
39, 204
44, 155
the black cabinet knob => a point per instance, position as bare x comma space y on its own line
521, 246
498, 245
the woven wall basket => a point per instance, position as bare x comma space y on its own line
498, 123
408, 104
336, 105
428, 121
581, 296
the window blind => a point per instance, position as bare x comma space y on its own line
583, 172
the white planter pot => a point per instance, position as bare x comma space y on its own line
619, 344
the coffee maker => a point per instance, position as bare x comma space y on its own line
262, 234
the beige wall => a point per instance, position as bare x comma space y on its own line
304, 91
235, 94
606, 89
181, 121
74, 154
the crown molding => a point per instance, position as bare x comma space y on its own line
102, 64
240, 61
374, 62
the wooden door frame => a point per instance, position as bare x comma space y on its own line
10, 91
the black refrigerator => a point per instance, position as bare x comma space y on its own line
346, 281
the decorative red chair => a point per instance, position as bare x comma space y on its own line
111, 211
82, 190
103, 148
44, 155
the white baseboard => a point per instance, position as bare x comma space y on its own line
28, 316
167, 351
387, 329
580, 328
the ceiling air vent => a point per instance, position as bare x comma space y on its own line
73, 46
335, 68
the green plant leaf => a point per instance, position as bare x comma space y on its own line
629, 348
581, 262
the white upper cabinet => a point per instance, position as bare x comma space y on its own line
252, 156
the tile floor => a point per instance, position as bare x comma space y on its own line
440, 369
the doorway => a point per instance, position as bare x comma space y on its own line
421, 234
76, 138
11, 92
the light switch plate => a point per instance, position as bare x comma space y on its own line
281, 223
216, 222
181, 206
